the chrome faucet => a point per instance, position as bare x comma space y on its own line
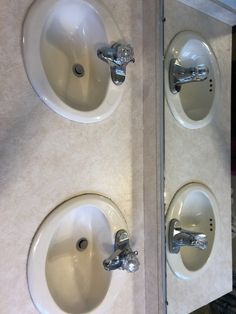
179, 237
179, 75
118, 56
123, 257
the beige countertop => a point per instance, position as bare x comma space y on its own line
46, 159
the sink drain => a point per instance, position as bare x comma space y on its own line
82, 244
78, 70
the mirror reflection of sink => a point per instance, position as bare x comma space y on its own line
195, 207
60, 42
193, 106
65, 264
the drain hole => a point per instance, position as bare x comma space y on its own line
82, 244
78, 70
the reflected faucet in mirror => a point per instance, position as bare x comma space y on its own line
179, 237
179, 75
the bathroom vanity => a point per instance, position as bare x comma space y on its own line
115, 193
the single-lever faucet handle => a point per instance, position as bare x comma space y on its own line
200, 241
201, 72
131, 262
124, 54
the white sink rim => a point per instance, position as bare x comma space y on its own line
175, 261
38, 252
173, 100
35, 20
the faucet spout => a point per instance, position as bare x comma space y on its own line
113, 262
179, 75
118, 74
179, 237
118, 56
123, 257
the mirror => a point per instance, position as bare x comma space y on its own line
197, 153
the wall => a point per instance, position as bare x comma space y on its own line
214, 8
46, 159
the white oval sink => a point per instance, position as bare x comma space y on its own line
195, 207
60, 42
65, 264
193, 107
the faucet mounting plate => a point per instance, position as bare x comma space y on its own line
174, 88
173, 227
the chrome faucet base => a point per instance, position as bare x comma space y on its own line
123, 257
118, 56
179, 237
179, 75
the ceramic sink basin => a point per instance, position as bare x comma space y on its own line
65, 264
193, 107
195, 206
60, 43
